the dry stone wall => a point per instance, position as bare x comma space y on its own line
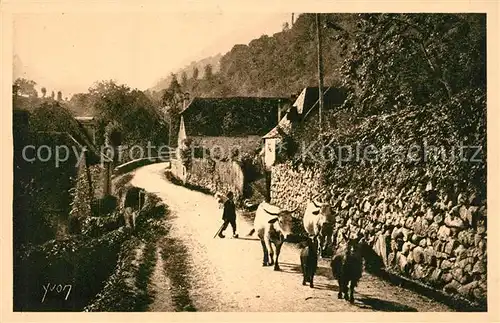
210, 175
291, 187
434, 237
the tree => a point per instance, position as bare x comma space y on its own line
132, 111
44, 92
208, 72
52, 95
173, 96
172, 100
184, 79
59, 96
82, 104
25, 87
196, 73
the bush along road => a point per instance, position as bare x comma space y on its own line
188, 270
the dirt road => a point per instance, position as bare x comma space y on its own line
196, 272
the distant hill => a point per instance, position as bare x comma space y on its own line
214, 61
277, 65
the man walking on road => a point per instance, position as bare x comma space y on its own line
229, 216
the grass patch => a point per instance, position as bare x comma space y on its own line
127, 289
175, 256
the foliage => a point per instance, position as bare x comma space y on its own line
186, 152
417, 98
127, 287
196, 73
114, 134
22, 86
208, 72
278, 65
42, 193
71, 261
414, 59
81, 104
136, 115
94, 226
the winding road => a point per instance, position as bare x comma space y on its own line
195, 272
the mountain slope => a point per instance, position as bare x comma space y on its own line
278, 65
214, 61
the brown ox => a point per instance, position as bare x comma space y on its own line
273, 226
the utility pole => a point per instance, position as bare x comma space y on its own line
168, 116
320, 70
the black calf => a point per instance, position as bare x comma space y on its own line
347, 266
309, 261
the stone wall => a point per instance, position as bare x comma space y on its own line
293, 186
211, 175
431, 236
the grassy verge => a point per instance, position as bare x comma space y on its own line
127, 289
176, 267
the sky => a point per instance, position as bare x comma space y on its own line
71, 51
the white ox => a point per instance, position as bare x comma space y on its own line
318, 221
273, 226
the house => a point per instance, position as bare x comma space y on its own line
302, 109
226, 125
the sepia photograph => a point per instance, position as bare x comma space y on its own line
246, 161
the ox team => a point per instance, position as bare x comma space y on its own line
274, 226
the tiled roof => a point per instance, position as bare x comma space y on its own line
305, 103
233, 116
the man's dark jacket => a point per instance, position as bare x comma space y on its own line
229, 211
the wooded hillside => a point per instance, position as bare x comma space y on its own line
278, 65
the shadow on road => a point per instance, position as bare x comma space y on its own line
287, 267
248, 238
376, 304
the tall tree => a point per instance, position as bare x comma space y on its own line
196, 73
59, 96
52, 95
172, 100
208, 72
173, 96
184, 79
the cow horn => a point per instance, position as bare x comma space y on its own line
295, 209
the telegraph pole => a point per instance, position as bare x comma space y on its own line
320, 70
